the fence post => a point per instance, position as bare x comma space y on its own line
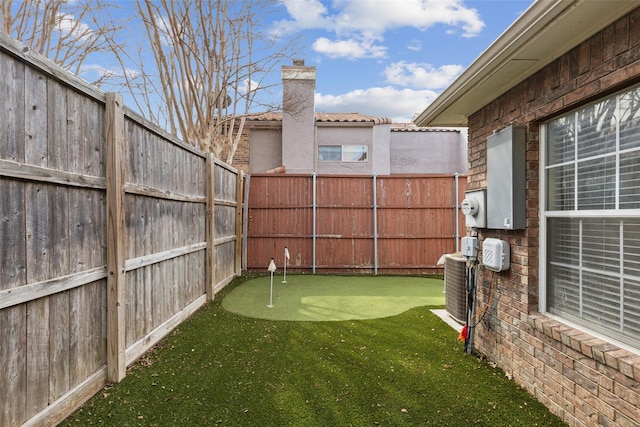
210, 229
375, 225
238, 254
116, 321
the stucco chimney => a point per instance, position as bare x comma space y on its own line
298, 117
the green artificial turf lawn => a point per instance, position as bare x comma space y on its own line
222, 369
330, 298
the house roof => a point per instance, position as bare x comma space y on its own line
411, 127
324, 118
545, 31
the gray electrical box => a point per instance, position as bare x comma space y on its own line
506, 179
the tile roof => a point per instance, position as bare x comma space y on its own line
325, 118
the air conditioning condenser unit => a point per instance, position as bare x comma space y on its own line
455, 284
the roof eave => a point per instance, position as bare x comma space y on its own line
540, 35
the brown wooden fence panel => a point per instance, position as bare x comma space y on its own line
402, 225
58, 309
279, 214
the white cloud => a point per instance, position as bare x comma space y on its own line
400, 105
305, 14
380, 15
358, 24
67, 24
423, 76
351, 49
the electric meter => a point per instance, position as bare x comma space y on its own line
474, 208
469, 207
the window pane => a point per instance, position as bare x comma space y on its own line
631, 283
564, 237
632, 248
601, 244
561, 188
597, 129
561, 140
601, 296
563, 292
630, 119
354, 153
630, 180
329, 153
563, 275
631, 325
597, 183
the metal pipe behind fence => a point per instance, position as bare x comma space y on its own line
313, 260
375, 226
457, 207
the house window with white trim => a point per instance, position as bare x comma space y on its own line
592, 216
342, 153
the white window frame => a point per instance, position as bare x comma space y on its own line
343, 149
631, 343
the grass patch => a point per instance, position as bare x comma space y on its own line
219, 368
331, 297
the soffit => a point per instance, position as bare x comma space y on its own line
544, 32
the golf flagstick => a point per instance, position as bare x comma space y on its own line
286, 258
272, 268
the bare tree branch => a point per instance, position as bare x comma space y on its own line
212, 58
66, 32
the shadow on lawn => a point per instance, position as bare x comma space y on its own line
222, 369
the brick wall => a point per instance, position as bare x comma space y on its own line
241, 157
584, 380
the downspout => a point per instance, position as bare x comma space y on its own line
456, 210
313, 256
375, 226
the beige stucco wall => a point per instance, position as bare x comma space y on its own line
265, 149
438, 152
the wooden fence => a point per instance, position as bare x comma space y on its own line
112, 232
366, 224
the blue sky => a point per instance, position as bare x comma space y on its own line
391, 58
385, 58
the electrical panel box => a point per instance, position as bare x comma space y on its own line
470, 247
496, 254
506, 179
474, 208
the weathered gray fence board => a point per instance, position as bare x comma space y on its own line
55, 307
12, 105
12, 228
13, 375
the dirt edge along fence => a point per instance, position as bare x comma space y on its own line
398, 224
112, 233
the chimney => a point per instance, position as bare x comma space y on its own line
298, 117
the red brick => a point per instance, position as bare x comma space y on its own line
621, 37
587, 346
627, 364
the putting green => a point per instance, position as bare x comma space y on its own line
331, 298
